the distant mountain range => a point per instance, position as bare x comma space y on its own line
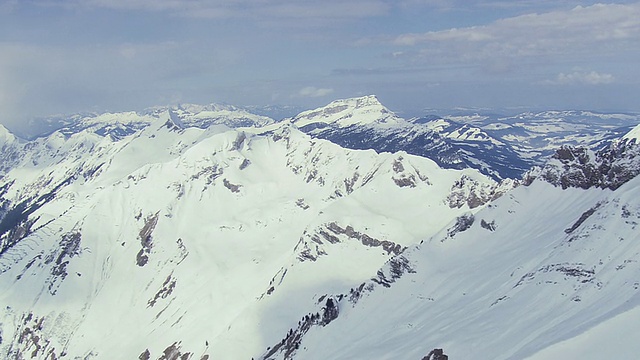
343, 232
501, 147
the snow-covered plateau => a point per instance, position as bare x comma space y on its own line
207, 232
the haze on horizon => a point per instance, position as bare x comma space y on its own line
69, 56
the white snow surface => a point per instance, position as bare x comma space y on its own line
634, 134
615, 338
213, 241
529, 288
6, 137
347, 112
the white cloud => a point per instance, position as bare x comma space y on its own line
7, 6
585, 78
282, 9
311, 92
328, 9
596, 28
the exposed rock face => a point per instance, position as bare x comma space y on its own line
69, 248
471, 192
172, 352
333, 233
16, 223
146, 240
436, 354
288, 346
579, 167
397, 267
463, 223
491, 226
388, 246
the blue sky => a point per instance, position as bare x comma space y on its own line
66, 56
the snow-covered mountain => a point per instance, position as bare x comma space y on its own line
9, 145
364, 123
527, 276
207, 232
481, 150
548, 270
535, 136
6, 137
182, 240
498, 146
126, 123
633, 135
366, 110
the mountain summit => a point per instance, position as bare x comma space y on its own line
364, 123
633, 135
348, 112
6, 136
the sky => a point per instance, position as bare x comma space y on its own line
69, 56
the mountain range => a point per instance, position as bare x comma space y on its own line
344, 232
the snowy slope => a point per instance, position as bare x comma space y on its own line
178, 240
6, 137
526, 274
203, 232
633, 134
614, 338
9, 148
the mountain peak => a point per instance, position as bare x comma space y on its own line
347, 112
5, 135
632, 135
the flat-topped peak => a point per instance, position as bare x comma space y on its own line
347, 112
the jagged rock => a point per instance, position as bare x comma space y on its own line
580, 167
463, 223
470, 192
329, 312
491, 226
145, 355
291, 342
146, 240
585, 215
436, 354
397, 266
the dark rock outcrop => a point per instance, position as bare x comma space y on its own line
291, 342
436, 354
579, 167
146, 240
